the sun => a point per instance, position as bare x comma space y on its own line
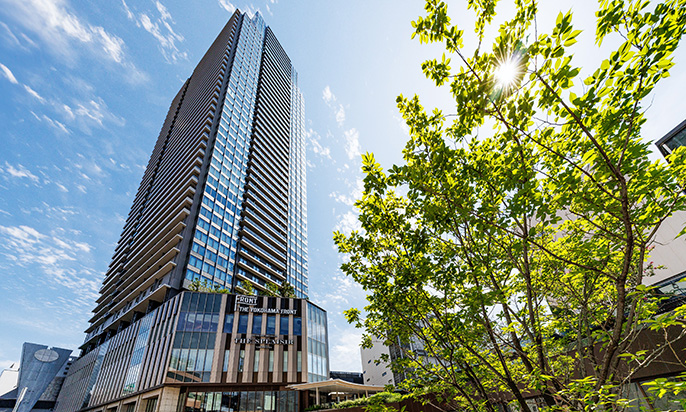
506, 72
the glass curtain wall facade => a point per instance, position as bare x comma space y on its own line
317, 344
243, 401
223, 198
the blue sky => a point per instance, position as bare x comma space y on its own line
85, 86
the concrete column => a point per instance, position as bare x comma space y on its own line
168, 399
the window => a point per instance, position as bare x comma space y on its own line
208, 268
283, 327
195, 262
297, 326
271, 325
203, 224
271, 361
198, 249
211, 256
285, 360
242, 323
241, 358
200, 236
257, 324
256, 362
299, 361
228, 323
151, 405
226, 360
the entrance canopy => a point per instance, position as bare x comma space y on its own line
336, 386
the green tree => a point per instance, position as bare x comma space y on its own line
516, 254
247, 288
285, 290
204, 286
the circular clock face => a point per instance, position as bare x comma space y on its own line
46, 355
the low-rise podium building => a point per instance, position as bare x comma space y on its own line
226, 352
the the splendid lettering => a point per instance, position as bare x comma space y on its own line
261, 340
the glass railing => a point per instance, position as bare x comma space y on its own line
256, 209
264, 262
269, 253
256, 180
260, 231
259, 270
270, 224
264, 202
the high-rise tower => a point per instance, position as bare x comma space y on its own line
223, 202
223, 197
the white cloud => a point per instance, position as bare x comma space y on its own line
10, 37
65, 33
347, 223
68, 111
317, 147
340, 115
111, 45
34, 93
25, 235
345, 350
161, 29
53, 123
129, 13
338, 109
327, 95
59, 258
164, 13
52, 212
341, 198
88, 113
339, 295
321, 150
402, 124
355, 192
20, 172
227, 5
249, 9
92, 112
352, 143
8, 74
56, 124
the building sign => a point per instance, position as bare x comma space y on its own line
263, 341
249, 304
246, 300
250, 309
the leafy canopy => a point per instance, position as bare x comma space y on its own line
516, 254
